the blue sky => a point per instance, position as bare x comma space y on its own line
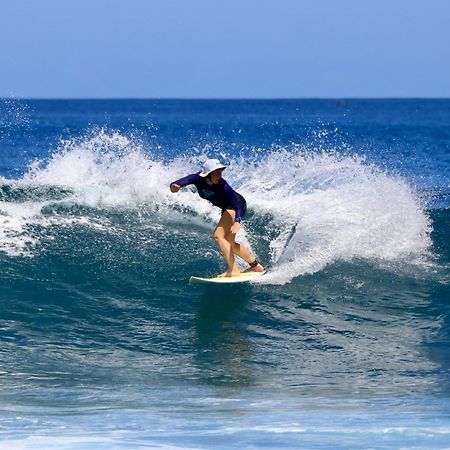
224, 49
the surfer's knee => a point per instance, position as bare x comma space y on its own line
217, 235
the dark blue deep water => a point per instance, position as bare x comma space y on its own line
344, 343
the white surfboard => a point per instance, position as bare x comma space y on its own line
243, 277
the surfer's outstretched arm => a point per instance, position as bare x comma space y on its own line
190, 179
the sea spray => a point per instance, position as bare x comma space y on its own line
334, 208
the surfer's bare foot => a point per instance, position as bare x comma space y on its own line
229, 274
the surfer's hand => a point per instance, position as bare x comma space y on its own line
235, 227
175, 187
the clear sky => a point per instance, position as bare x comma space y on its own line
224, 49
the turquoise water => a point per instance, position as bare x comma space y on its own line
343, 344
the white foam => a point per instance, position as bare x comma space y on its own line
13, 219
332, 208
102, 170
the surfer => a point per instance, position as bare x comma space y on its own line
211, 186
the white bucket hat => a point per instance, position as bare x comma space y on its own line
210, 166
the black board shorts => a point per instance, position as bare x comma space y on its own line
241, 201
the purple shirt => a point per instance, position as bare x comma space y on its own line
221, 194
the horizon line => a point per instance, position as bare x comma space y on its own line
229, 98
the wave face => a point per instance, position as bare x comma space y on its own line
307, 209
104, 342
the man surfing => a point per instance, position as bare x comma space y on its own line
212, 187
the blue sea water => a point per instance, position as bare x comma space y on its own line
345, 342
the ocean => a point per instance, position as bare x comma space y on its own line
344, 343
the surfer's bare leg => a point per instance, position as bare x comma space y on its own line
240, 250
225, 241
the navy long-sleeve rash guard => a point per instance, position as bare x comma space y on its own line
221, 194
